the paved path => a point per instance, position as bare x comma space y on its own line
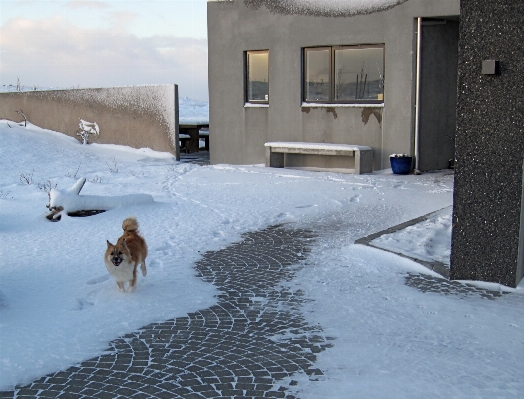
248, 345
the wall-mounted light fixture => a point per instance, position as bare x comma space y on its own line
490, 67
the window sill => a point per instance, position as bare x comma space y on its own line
339, 105
255, 105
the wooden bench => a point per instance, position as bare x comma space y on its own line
204, 134
193, 130
276, 151
184, 140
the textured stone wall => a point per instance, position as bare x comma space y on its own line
136, 116
489, 143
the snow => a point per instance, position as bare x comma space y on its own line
70, 200
327, 7
193, 111
190, 110
346, 5
338, 105
315, 146
392, 341
255, 105
429, 240
59, 306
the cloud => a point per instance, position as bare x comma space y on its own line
93, 4
54, 53
122, 20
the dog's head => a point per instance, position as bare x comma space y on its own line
118, 253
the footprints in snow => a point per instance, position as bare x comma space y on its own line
88, 301
355, 198
90, 297
98, 280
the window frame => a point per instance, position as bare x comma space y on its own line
332, 49
304, 72
246, 76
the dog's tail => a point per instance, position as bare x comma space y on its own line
130, 225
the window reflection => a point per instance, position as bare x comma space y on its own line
358, 74
318, 71
347, 74
258, 76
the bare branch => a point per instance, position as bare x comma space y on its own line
27, 178
22, 114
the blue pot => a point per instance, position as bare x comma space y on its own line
400, 165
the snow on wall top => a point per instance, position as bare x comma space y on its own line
155, 100
330, 8
190, 111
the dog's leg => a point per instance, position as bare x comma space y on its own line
121, 286
143, 268
132, 283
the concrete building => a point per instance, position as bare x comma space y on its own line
488, 221
281, 72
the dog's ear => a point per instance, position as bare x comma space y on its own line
109, 244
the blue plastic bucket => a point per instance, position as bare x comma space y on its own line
400, 165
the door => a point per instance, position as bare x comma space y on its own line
438, 92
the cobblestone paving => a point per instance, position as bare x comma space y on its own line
439, 285
248, 345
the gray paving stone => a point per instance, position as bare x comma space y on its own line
222, 351
140, 395
439, 285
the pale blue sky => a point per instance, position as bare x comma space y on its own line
89, 43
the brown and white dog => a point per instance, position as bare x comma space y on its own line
123, 258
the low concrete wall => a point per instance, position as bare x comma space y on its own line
136, 116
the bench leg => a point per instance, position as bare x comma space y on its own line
274, 159
363, 161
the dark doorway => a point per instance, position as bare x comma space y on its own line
438, 92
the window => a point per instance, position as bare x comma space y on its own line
257, 76
344, 74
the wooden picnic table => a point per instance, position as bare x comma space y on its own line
193, 130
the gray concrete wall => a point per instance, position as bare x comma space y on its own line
239, 131
489, 144
137, 116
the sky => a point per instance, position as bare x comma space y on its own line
91, 43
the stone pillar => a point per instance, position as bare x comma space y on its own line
489, 142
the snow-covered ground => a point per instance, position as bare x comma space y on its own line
429, 240
193, 111
59, 306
